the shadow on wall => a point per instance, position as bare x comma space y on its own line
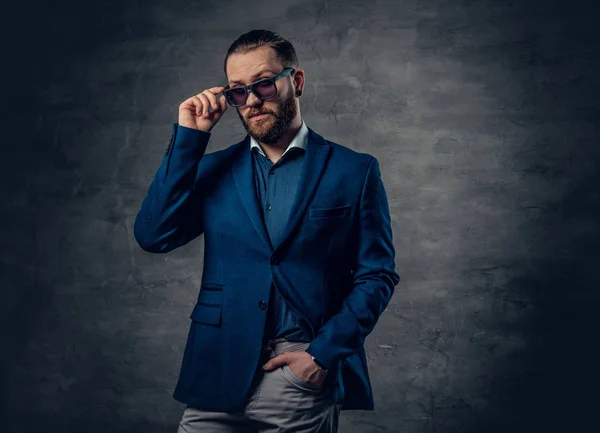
49, 361
552, 384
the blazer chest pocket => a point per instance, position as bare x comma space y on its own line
330, 212
209, 308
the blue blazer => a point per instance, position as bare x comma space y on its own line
335, 265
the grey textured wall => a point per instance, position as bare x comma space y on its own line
484, 117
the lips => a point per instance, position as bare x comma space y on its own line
259, 116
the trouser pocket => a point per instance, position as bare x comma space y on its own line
299, 383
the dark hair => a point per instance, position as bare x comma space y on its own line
259, 38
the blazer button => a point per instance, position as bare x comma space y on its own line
274, 260
262, 305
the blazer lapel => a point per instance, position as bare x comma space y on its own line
243, 175
315, 158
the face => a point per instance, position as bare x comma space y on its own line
281, 110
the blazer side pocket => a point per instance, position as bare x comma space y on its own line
211, 294
209, 308
331, 212
207, 314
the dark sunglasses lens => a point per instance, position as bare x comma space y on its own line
265, 89
236, 97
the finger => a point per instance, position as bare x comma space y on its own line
205, 104
197, 104
216, 90
275, 362
212, 99
223, 103
270, 364
188, 104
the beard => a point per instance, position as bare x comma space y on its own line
275, 125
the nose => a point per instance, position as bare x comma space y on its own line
252, 100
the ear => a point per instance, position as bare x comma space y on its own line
299, 80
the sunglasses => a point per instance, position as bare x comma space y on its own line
262, 89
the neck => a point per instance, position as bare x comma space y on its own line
275, 150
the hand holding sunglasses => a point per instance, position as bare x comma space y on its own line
195, 112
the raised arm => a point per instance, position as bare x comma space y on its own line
171, 213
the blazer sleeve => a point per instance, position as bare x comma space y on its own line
171, 213
374, 278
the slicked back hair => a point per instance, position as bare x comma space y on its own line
259, 38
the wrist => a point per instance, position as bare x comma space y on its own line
320, 365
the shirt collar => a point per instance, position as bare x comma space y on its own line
300, 140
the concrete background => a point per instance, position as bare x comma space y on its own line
484, 117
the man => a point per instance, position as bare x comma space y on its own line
298, 261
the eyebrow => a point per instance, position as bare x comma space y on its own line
254, 77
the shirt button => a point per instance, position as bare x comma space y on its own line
269, 207
262, 305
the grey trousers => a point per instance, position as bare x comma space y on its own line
279, 402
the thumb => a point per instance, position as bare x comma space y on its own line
222, 103
275, 362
